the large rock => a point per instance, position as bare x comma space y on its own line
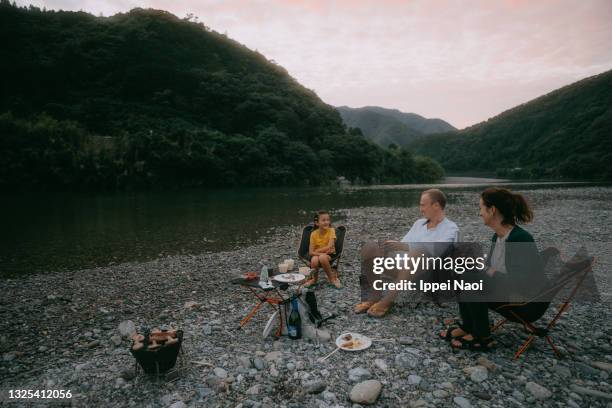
366, 392
538, 391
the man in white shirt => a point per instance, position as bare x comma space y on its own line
431, 235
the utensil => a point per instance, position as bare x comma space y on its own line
322, 359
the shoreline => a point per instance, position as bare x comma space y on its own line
62, 328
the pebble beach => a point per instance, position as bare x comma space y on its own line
70, 330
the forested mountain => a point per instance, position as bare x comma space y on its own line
390, 126
564, 134
145, 98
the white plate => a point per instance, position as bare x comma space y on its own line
363, 342
289, 277
270, 325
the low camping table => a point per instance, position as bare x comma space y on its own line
272, 296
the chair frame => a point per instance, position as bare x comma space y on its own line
534, 331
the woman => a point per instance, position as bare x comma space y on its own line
515, 272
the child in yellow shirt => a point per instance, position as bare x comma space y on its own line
322, 248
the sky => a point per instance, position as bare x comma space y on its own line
461, 61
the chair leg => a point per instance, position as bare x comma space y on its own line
549, 340
498, 325
251, 314
524, 347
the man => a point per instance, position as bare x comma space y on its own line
430, 235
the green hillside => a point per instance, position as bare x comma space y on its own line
390, 126
564, 134
145, 99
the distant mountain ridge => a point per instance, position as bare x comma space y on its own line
391, 126
566, 133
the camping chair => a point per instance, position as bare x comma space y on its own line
577, 272
305, 246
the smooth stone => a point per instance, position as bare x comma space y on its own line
562, 370
406, 360
477, 373
259, 363
244, 361
417, 403
116, 339
314, 387
440, 393
220, 372
204, 392
207, 330
366, 392
178, 404
405, 340
414, 379
329, 396
254, 390
191, 304
381, 364
485, 362
538, 391
92, 344
127, 328
590, 392
482, 395
273, 356
462, 402
359, 374
602, 365
274, 372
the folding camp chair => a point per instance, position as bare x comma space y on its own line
574, 272
305, 246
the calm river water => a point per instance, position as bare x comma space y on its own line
46, 232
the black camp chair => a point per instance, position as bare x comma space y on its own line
565, 286
305, 244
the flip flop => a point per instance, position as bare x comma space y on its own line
449, 330
483, 344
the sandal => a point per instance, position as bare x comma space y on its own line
448, 336
484, 344
363, 307
376, 310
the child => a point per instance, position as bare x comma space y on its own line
322, 249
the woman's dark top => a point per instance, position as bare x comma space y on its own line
524, 276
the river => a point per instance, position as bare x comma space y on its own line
49, 232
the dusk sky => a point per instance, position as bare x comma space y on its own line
461, 61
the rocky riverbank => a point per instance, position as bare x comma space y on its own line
62, 331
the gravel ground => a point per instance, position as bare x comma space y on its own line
61, 331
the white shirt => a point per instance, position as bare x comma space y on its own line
420, 236
498, 257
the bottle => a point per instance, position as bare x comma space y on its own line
263, 275
294, 323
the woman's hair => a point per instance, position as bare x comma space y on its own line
512, 206
315, 221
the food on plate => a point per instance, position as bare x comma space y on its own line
347, 337
351, 344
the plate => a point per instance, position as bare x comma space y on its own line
353, 341
289, 277
270, 325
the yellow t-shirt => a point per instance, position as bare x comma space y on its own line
321, 240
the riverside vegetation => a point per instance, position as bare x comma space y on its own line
144, 98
